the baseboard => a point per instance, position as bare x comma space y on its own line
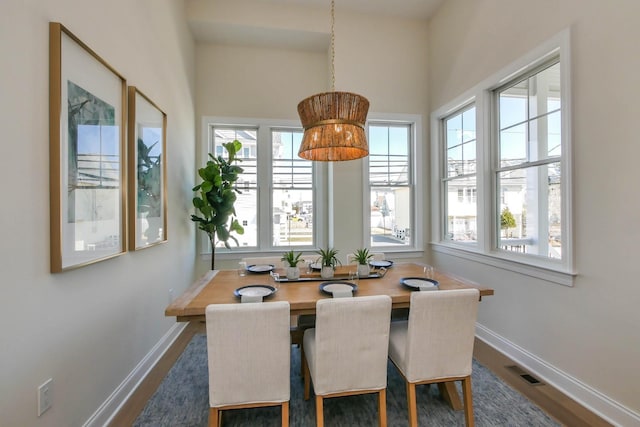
590, 398
114, 402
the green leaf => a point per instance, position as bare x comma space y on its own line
206, 186
235, 226
198, 202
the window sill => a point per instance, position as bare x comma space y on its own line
550, 273
227, 254
401, 254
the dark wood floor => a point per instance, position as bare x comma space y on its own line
553, 402
556, 404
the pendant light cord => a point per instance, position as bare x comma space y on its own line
333, 48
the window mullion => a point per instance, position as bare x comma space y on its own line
265, 187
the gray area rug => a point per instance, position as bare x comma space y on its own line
182, 400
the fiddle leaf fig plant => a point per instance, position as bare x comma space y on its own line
215, 198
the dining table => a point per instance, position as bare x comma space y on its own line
394, 280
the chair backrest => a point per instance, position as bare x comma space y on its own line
249, 350
351, 343
274, 260
440, 333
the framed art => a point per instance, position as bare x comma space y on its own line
147, 198
87, 112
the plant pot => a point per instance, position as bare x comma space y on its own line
293, 273
326, 272
364, 270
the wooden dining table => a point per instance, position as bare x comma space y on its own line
218, 287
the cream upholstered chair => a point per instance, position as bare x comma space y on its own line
303, 321
249, 353
346, 353
436, 344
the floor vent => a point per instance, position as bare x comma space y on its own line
530, 379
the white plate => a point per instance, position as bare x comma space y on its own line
420, 283
331, 287
254, 291
260, 268
381, 263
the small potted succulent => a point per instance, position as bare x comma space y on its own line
292, 259
362, 257
328, 260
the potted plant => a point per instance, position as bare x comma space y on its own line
292, 259
362, 257
216, 196
328, 260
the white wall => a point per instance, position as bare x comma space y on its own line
386, 61
383, 59
88, 328
589, 331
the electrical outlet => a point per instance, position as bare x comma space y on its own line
170, 295
45, 396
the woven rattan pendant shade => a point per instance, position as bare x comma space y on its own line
333, 125
333, 121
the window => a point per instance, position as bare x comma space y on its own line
504, 168
390, 175
460, 180
528, 174
247, 184
292, 193
276, 206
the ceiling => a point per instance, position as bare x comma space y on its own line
236, 29
419, 9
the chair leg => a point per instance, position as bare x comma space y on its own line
302, 358
307, 378
468, 401
449, 393
285, 414
411, 402
319, 412
214, 417
382, 408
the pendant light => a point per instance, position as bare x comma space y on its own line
333, 121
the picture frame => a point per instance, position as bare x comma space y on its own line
147, 196
87, 117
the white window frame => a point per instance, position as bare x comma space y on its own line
265, 247
558, 271
416, 249
463, 194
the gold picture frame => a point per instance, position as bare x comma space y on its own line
87, 117
147, 197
